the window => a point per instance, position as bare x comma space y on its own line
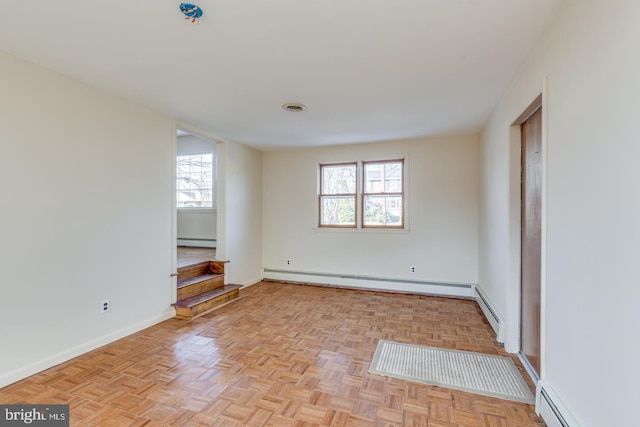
378, 202
338, 195
382, 195
195, 180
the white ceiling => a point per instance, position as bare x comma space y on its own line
367, 70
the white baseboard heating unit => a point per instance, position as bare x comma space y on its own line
494, 319
463, 290
551, 409
196, 242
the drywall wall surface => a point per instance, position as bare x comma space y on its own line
240, 212
86, 217
590, 62
192, 144
441, 201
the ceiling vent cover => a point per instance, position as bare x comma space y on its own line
294, 106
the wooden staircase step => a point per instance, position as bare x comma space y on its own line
192, 280
201, 268
195, 300
193, 306
199, 284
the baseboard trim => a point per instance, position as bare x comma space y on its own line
493, 317
64, 356
463, 290
551, 409
250, 283
197, 242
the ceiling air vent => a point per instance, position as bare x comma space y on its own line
294, 106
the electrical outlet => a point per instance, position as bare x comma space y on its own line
413, 269
288, 262
105, 305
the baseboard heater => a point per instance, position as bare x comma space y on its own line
551, 409
463, 290
491, 314
197, 242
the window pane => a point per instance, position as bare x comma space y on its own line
195, 180
393, 177
373, 178
338, 179
337, 210
383, 177
383, 211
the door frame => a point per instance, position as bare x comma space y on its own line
220, 196
531, 256
513, 292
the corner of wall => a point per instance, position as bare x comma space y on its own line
490, 313
551, 409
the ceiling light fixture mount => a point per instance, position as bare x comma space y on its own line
295, 107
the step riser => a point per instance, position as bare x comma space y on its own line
190, 312
206, 267
193, 270
200, 287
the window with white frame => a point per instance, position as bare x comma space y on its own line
377, 203
195, 180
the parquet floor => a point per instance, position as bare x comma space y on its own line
281, 355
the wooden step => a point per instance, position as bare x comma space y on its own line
201, 268
199, 284
191, 307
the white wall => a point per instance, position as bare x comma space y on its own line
442, 203
197, 228
85, 179
591, 58
198, 224
240, 212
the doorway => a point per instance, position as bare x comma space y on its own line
531, 237
196, 204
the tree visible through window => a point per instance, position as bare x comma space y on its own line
338, 195
195, 180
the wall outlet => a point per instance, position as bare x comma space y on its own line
413, 269
105, 305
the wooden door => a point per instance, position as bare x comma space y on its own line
531, 211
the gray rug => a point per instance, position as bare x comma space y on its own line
478, 373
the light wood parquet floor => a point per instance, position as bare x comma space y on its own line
281, 355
